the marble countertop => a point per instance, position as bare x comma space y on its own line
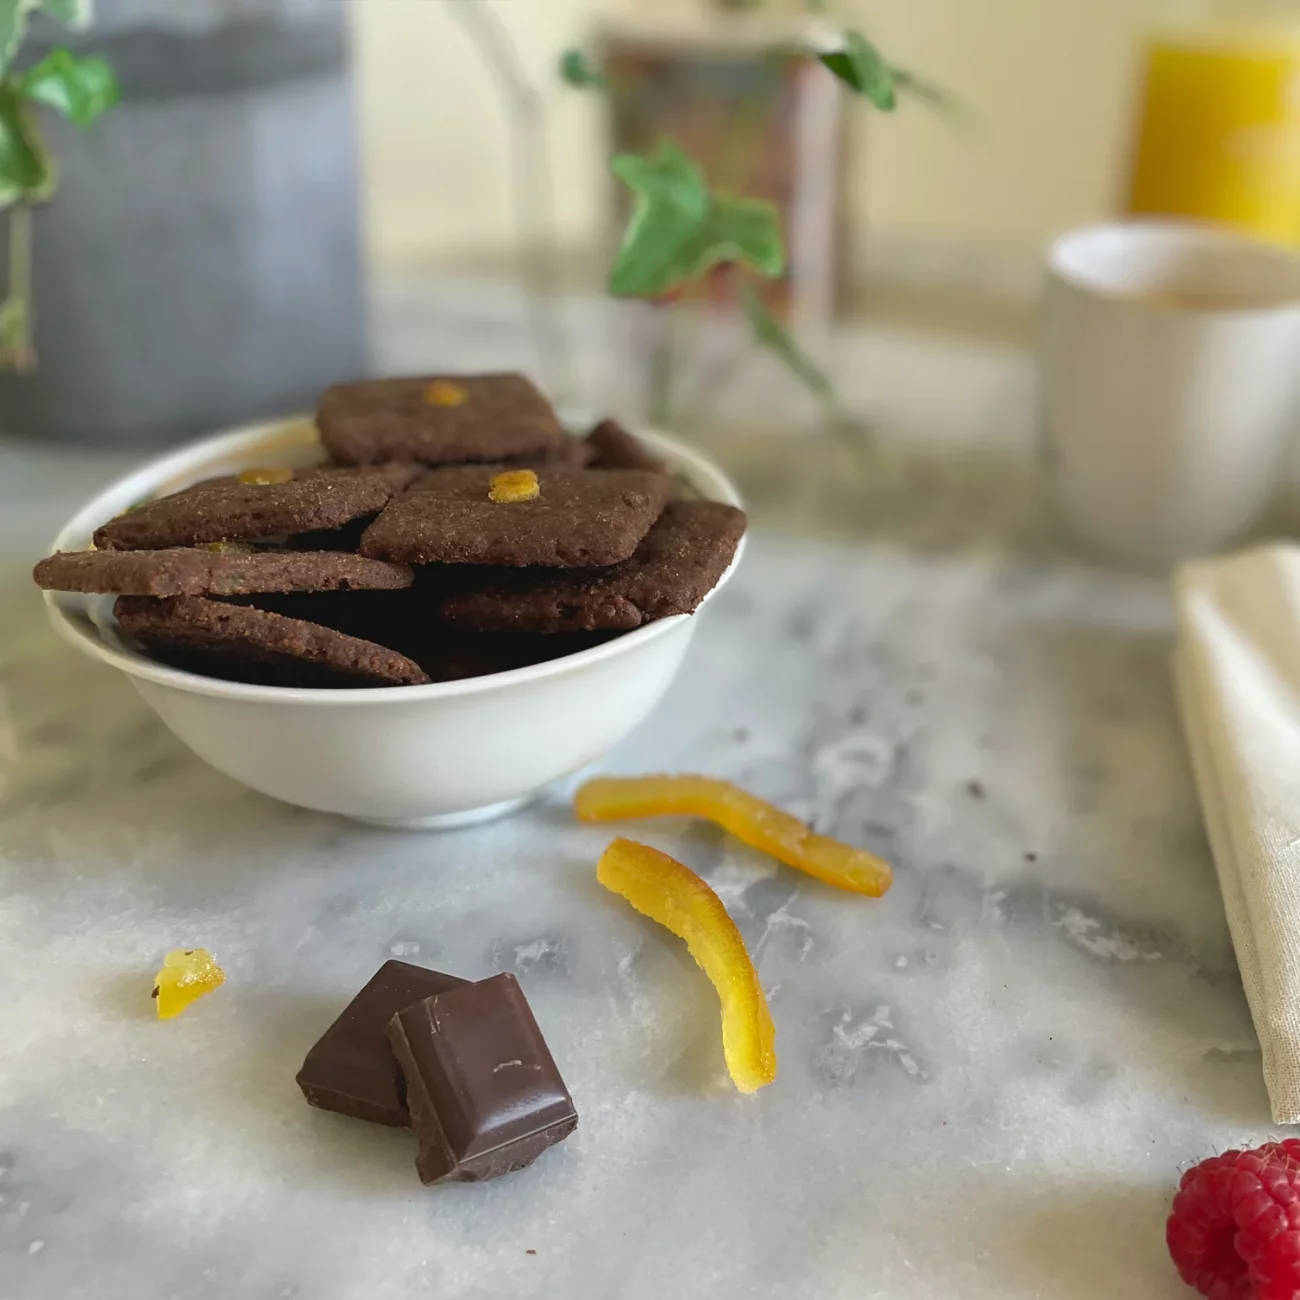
989, 1080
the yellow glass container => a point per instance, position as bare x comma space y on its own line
1218, 135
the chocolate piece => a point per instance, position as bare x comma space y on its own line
184, 571
437, 419
581, 517
226, 510
674, 568
484, 1094
612, 447
246, 644
352, 1069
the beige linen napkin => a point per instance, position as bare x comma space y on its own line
1237, 667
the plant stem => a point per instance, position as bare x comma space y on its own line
20, 252
16, 351
663, 362
534, 208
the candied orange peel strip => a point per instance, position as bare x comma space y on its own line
748, 818
264, 477
187, 974
514, 485
663, 889
443, 393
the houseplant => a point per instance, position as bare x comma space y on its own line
81, 88
683, 229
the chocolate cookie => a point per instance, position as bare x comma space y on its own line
228, 510
580, 517
184, 571
674, 568
438, 420
573, 453
402, 621
247, 644
612, 447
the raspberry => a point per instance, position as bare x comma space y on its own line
1234, 1232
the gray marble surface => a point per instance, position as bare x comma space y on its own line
989, 1080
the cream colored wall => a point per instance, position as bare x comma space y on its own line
1049, 80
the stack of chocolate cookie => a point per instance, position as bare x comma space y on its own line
399, 562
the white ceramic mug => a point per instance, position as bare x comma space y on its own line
1171, 382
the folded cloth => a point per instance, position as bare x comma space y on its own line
1237, 667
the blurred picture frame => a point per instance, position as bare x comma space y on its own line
761, 126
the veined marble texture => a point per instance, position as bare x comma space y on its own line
989, 1081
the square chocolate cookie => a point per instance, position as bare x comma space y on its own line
678, 563
242, 643
438, 420
578, 518
250, 507
231, 570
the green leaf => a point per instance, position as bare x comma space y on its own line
771, 334
747, 231
79, 87
27, 172
862, 67
577, 71
670, 206
679, 230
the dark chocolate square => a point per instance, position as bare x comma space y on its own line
484, 1093
352, 1069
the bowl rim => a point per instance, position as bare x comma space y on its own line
297, 435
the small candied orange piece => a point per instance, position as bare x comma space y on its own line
663, 889
748, 818
186, 975
514, 485
227, 548
443, 393
266, 477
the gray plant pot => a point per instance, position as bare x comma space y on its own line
200, 265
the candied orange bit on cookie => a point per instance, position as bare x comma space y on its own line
186, 975
748, 818
442, 393
266, 477
227, 548
663, 889
514, 485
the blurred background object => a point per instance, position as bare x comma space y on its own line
1050, 85
200, 263
758, 124
1219, 116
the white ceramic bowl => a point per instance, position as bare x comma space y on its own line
415, 756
